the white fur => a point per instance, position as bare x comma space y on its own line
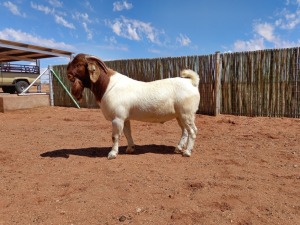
126, 99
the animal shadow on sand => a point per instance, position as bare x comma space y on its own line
103, 151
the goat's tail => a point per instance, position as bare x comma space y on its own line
192, 75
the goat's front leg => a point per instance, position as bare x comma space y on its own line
127, 132
117, 127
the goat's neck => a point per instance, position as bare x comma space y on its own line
99, 88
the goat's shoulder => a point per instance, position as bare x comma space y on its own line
119, 76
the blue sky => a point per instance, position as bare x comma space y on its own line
118, 29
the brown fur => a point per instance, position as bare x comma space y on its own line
100, 86
78, 73
77, 89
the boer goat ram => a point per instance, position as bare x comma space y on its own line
123, 99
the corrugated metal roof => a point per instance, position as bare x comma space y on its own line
16, 51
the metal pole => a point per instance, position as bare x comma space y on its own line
51, 86
62, 84
30, 85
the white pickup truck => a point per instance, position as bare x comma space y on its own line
16, 78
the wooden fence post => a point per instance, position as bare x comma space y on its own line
217, 85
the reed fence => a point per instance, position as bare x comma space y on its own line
259, 83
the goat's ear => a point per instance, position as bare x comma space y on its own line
94, 71
93, 67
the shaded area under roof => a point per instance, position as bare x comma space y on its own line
16, 51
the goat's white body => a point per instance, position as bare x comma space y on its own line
126, 99
156, 101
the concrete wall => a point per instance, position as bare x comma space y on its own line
9, 102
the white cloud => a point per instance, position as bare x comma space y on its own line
13, 9
119, 6
132, 32
134, 29
81, 17
60, 20
111, 40
288, 20
44, 9
19, 36
117, 27
84, 19
112, 44
264, 37
88, 5
266, 30
289, 2
155, 51
88, 31
57, 15
56, 3
183, 40
287, 44
270, 34
250, 45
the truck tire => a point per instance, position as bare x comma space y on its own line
21, 86
9, 89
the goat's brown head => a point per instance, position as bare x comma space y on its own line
84, 71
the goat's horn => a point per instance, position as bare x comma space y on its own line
102, 64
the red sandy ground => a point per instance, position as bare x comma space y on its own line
54, 170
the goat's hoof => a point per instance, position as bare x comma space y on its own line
112, 155
130, 149
178, 150
187, 153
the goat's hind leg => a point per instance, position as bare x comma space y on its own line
117, 128
127, 132
189, 124
192, 130
183, 140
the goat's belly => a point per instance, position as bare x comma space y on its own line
154, 117
159, 110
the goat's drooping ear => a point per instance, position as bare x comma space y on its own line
93, 67
93, 71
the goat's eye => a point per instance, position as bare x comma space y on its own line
79, 65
